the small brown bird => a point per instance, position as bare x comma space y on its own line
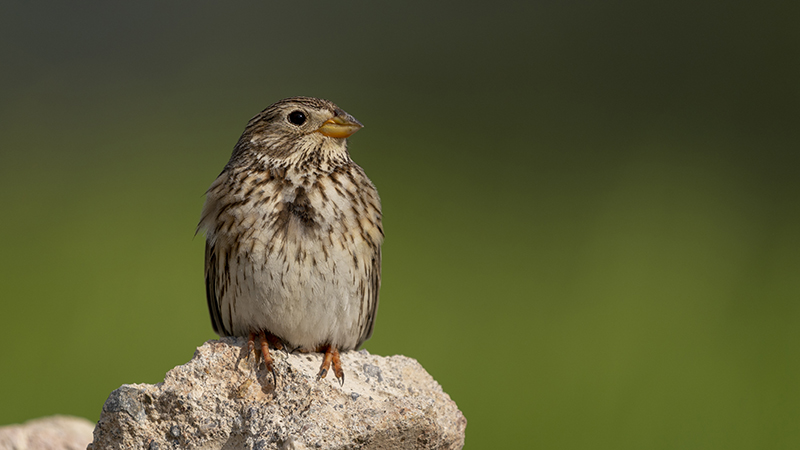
293, 235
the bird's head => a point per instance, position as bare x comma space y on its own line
299, 129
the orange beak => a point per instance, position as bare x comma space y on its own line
341, 125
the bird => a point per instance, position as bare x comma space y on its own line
293, 233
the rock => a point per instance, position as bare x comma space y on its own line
220, 400
47, 433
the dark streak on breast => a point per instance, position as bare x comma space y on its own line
299, 209
302, 209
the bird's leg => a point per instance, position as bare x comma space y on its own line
274, 341
263, 342
262, 339
265, 338
337, 366
331, 357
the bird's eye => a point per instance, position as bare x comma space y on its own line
297, 117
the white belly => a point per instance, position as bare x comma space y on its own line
297, 292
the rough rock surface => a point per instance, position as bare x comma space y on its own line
47, 433
220, 400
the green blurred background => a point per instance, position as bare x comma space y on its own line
591, 207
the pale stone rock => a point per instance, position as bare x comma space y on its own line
48, 433
219, 400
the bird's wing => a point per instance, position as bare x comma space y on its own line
371, 296
212, 292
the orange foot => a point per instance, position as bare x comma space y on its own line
331, 356
264, 339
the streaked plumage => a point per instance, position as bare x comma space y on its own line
293, 232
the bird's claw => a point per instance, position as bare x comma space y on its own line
331, 358
263, 339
